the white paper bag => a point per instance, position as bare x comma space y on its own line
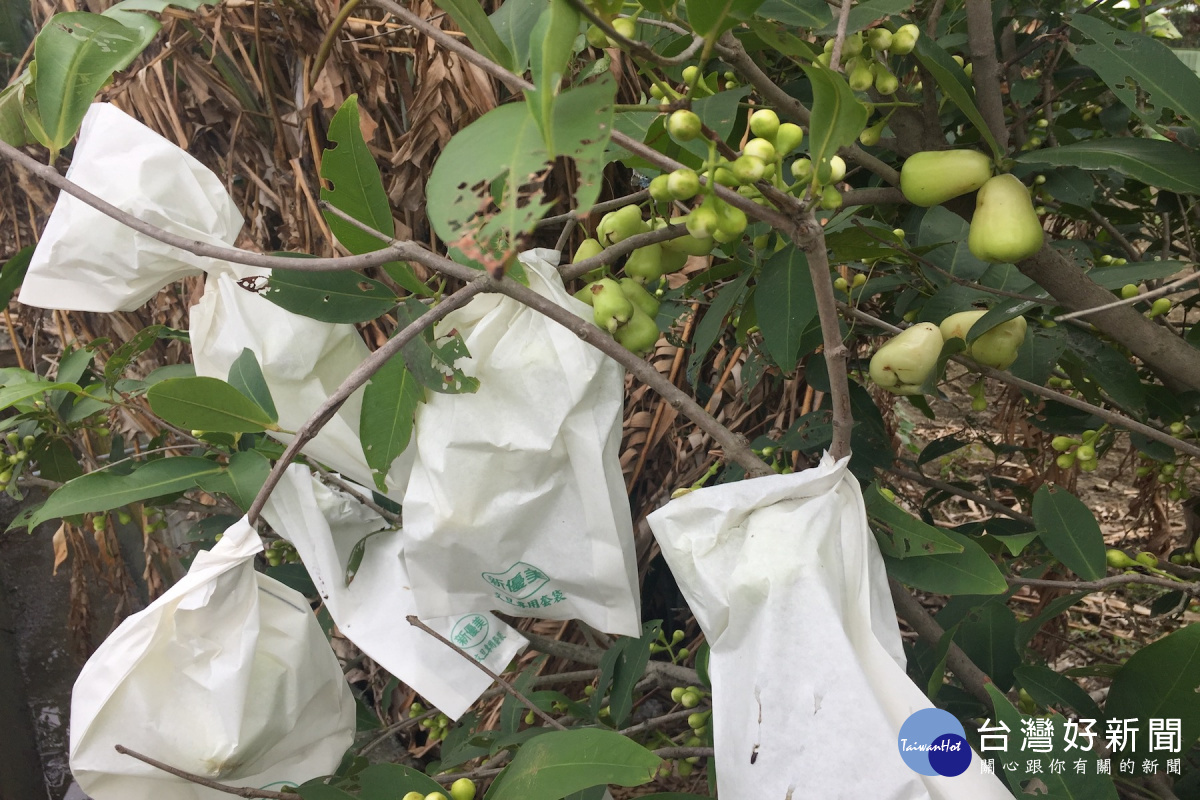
516, 500
227, 675
325, 525
809, 687
87, 261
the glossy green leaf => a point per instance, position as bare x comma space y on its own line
628, 670
1049, 688
15, 393
514, 22
318, 790
953, 82
987, 634
1066, 784
968, 572
13, 272
1162, 680
469, 16
345, 296
501, 158
550, 50
1142, 72
1157, 163
242, 480
55, 460
103, 491
554, 764
863, 14
1070, 531
76, 53
13, 129
354, 184
910, 536
838, 117
388, 781
710, 17
786, 304
713, 323
207, 404
386, 422
247, 377
812, 14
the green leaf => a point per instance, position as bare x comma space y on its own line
355, 185
1064, 785
55, 460
786, 304
501, 160
550, 50
953, 82
1143, 73
13, 272
469, 17
863, 14
1050, 688
241, 480
246, 376
968, 572
713, 323
1153, 162
103, 491
554, 764
1070, 531
629, 669
811, 14
386, 421
207, 404
838, 117
1029, 628
13, 394
430, 362
317, 790
13, 129
346, 296
1117, 276
393, 781
987, 634
76, 53
514, 22
1162, 680
910, 536
940, 447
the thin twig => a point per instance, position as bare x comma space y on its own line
1109, 582
1132, 252
639, 49
598, 208
345, 486
626, 246
672, 673
934, 483
835, 57
1169, 288
200, 780
684, 752
508, 687
1041, 391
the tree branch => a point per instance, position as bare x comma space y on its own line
1169, 288
1109, 582
206, 782
985, 72
835, 57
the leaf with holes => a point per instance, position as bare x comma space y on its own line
329, 296
433, 363
485, 191
75, 54
837, 115
1143, 73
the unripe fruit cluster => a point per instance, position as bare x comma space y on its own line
18, 448
1167, 474
687, 696
864, 58
281, 552
625, 309
1079, 452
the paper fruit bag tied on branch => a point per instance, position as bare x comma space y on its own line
227, 675
809, 687
516, 500
325, 526
87, 261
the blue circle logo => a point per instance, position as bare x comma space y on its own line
932, 742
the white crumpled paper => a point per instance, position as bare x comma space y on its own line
227, 675
809, 687
86, 261
325, 525
516, 500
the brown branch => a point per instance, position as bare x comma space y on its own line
200, 780
1109, 582
611, 253
598, 208
1169, 288
835, 57
987, 502
508, 687
1132, 252
582, 654
985, 72
684, 752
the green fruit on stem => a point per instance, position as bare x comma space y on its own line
596, 37
858, 280
996, 348
640, 298
731, 222
760, 149
885, 82
645, 263
879, 39
842, 285
683, 184
860, 78
1063, 443
1159, 307
463, 789
789, 137
764, 123
659, 192
617, 226
584, 295
871, 136
932, 177
684, 125
702, 222
1146, 559
852, 46
1117, 559
831, 198
688, 245
1129, 291
625, 27
1005, 228
639, 334
413, 796
802, 170
675, 260
1065, 461
903, 364
837, 169
611, 309
1085, 452
904, 40
748, 169
725, 177
587, 248
979, 404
